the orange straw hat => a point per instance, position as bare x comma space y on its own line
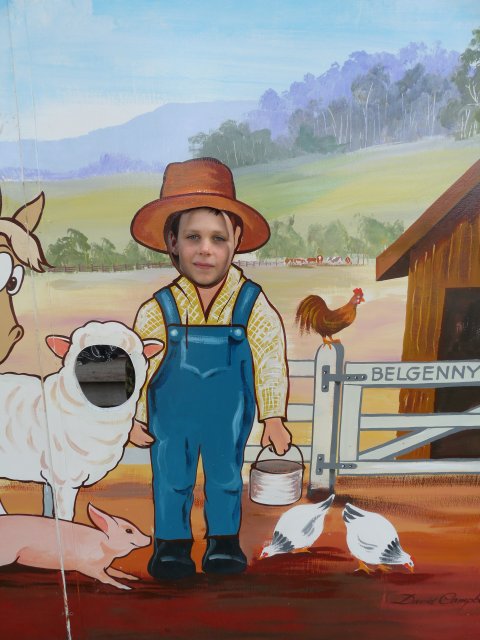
202, 182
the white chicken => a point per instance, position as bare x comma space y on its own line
373, 539
298, 528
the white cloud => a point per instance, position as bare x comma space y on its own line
55, 121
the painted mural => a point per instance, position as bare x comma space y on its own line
239, 319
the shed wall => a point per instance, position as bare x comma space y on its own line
448, 257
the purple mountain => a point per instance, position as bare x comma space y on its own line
147, 142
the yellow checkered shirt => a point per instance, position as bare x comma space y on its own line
265, 334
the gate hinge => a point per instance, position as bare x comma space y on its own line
328, 377
321, 465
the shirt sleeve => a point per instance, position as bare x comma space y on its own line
266, 337
149, 324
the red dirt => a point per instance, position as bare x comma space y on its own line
301, 596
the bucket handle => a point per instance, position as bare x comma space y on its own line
297, 457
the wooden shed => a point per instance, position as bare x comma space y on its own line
440, 253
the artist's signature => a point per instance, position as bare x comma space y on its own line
450, 598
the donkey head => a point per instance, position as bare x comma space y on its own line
19, 248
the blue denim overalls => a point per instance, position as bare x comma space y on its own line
201, 401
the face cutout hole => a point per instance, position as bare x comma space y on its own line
105, 374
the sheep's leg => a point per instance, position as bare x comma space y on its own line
48, 510
65, 502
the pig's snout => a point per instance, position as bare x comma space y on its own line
141, 540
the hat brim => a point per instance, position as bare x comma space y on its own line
149, 222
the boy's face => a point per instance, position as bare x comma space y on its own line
205, 246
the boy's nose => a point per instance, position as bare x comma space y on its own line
205, 246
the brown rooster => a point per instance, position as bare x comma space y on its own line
314, 315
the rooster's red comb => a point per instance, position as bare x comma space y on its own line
358, 291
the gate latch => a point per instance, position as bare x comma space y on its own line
328, 377
321, 465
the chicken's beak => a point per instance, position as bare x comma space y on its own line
410, 567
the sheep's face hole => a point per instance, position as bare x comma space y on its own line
105, 374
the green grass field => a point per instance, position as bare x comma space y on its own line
386, 182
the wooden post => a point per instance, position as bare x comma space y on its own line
326, 402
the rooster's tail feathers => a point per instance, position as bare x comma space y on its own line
307, 312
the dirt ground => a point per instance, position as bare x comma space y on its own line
300, 596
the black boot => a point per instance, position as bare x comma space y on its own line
171, 559
224, 555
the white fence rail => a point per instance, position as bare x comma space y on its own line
337, 421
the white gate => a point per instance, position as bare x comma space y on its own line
348, 420
337, 421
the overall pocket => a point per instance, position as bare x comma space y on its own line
207, 351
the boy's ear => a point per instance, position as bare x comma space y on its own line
172, 242
237, 236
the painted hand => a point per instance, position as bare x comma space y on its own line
139, 435
276, 434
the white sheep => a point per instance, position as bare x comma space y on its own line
51, 433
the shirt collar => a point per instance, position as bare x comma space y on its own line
224, 294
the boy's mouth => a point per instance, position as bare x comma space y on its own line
202, 265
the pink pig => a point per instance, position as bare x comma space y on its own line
34, 542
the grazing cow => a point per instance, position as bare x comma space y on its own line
19, 248
335, 260
295, 262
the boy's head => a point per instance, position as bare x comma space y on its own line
202, 183
202, 243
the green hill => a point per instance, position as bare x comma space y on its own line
386, 182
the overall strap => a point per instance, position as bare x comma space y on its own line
244, 302
165, 299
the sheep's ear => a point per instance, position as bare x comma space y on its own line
59, 345
152, 348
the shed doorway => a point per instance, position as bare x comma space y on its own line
459, 340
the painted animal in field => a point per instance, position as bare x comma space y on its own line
51, 433
373, 540
335, 260
33, 541
298, 528
314, 315
19, 248
296, 262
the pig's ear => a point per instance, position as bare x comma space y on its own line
58, 344
152, 348
99, 518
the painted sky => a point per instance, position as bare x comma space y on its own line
70, 66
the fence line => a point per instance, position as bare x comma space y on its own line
268, 262
333, 411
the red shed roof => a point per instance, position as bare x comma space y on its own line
394, 261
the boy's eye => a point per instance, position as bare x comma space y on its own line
219, 238
192, 236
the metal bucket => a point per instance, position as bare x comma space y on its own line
277, 480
